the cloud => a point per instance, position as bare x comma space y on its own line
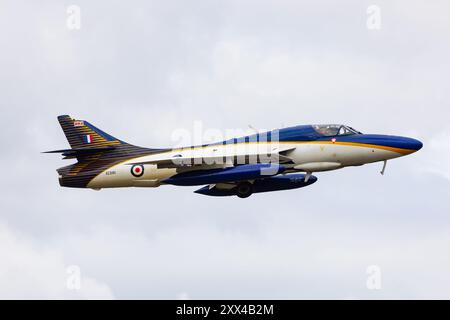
288, 254
30, 272
142, 71
437, 159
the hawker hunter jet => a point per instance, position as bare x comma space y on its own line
270, 161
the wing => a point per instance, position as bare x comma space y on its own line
217, 157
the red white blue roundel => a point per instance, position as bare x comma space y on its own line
137, 170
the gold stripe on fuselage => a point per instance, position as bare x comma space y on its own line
365, 145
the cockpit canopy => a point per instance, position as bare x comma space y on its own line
329, 130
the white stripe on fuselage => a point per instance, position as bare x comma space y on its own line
347, 155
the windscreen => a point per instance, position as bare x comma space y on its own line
329, 130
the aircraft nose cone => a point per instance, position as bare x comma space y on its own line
417, 145
412, 144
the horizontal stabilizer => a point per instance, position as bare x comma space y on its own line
80, 152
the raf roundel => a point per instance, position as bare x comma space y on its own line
137, 170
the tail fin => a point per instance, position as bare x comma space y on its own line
82, 134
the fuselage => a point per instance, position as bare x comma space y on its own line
306, 148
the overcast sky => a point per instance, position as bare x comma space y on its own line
140, 70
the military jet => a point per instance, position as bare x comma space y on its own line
275, 160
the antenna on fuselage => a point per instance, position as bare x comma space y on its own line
251, 127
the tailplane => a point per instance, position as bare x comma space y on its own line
94, 150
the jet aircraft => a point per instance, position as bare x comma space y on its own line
276, 160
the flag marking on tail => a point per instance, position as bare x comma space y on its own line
88, 138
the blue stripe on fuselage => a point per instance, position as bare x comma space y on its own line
306, 133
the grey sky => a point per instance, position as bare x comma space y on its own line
140, 70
